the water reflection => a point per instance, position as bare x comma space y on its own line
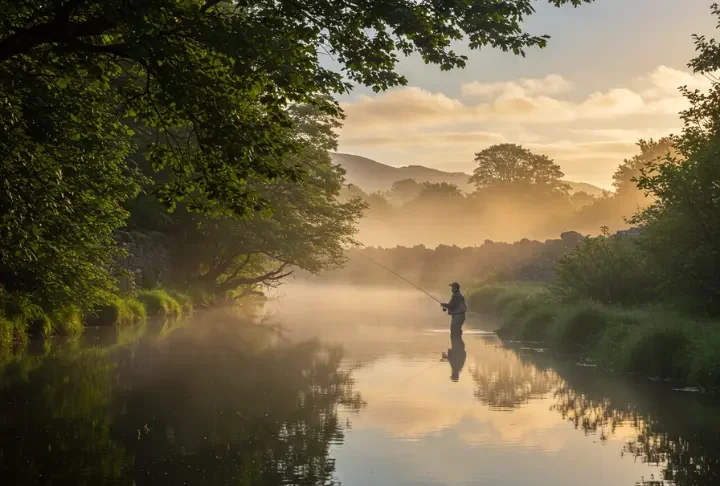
456, 356
506, 382
223, 403
215, 405
679, 433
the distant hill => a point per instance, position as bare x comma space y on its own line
373, 176
585, 187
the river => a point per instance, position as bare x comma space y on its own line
338, 386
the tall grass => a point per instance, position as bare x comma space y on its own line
67, 321
648, 341
121, 313
160, 303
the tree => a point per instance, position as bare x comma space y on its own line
511, 169
682, 225
581, 199
439, 191
405, 190
212, 77
627, 174
211, 80
309, 229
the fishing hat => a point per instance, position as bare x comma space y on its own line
455, 284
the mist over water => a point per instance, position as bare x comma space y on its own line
330, 384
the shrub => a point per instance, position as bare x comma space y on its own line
657, 349
704, 360
67, 321
185, 301
138, 310
11, 331
534, 326
120, 313
160, 303
578, 324
608, 269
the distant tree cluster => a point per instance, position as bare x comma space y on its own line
517, 194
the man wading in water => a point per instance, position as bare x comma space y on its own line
457, 309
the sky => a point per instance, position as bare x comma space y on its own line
608, 78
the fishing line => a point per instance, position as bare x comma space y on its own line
400, 277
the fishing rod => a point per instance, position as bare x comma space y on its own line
399, 276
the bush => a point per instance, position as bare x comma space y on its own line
534, 326
483, 299
160, 303
704, 360
185, 301
12, 331
656, 349
120, 313
578, 324
608, 269
137, 309
67, 321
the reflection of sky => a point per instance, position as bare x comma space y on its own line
421, 428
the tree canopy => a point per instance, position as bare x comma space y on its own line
512, 169
198, 93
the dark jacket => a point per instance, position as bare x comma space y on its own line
456, 304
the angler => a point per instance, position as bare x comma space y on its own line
457, 309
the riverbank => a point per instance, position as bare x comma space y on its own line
651, 341
20, 321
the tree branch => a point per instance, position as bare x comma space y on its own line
271, 276
59, 30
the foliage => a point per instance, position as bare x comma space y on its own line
683, 223
67, 321
610, 269
405, 190
631, 170
159, 303
579, 324
310, 227
121, 312
216, 98
187, 99
650, 341
514, 171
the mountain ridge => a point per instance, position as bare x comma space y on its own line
371, 175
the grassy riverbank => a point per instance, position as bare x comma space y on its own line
21, 320
647, 340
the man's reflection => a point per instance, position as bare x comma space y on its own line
456, 356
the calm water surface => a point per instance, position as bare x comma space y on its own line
350, 387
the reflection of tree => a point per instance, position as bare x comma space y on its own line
208, 407
509, 383
55, 421
210, 411
680, 433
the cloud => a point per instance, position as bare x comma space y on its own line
525, 101
588, 134
424, 138
551, 84
665, 81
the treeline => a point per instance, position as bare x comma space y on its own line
206, 121
525, 260
518, 194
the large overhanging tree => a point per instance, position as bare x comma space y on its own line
212, 80
309, 228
